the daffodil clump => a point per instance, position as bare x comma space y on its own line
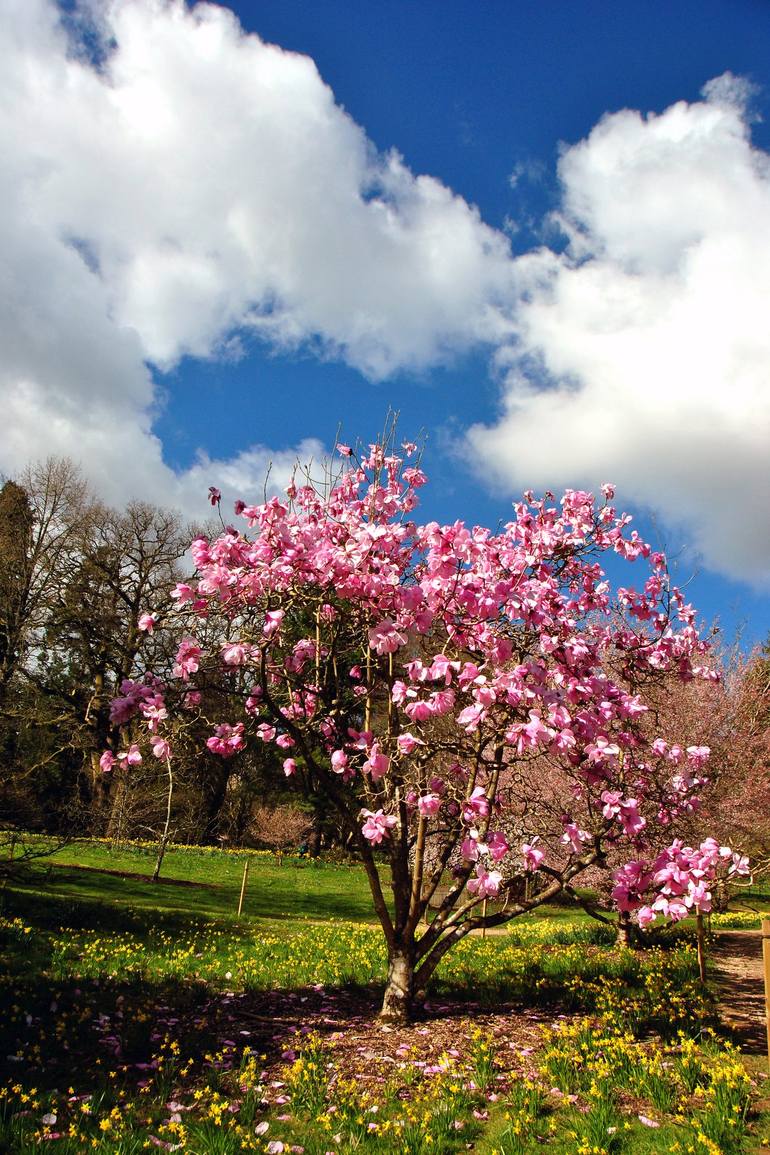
698, 1092
332, 953
735, 920
417, 1108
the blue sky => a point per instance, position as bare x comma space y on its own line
219, 250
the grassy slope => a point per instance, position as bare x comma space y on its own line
297, 890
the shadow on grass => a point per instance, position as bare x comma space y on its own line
267, 897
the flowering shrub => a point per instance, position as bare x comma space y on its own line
421, 677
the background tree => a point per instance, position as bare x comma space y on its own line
75, 580
737, 807
43, 516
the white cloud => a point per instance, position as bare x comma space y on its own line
200, 184
197, 183
651, 330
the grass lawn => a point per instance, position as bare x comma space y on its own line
296, 889
138, 1016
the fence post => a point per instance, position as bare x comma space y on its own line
243, 886
766, 968
484, 915
701, 947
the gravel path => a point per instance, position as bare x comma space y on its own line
736, 959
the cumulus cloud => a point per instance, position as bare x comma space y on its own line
642, 352
169, 182
172, 186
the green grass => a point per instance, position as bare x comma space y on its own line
136, 995
298, 888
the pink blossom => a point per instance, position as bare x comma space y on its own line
214, 495
477, 806
339, 761
235, 653
107, 761
161, 748
377, 763
611, 800
273, 620
497, 845
469, 718
377, 826
633, 822
407, 742
187, 658
153, 709
182, 593
532, 854
227, 740
486, 884
602, 750
147, 622
429, 805
289, 767
574, 837
384, 638
132, 757
529, 735
470, 846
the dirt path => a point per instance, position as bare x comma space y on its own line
737, 961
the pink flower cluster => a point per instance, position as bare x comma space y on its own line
679, 879
377, 825
226, 740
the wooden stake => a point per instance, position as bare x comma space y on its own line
484, 914
766, 968
701, 946
243, 885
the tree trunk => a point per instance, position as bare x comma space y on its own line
159, 859
116, 803
215, 793
625, 932
398, 1000
314, 842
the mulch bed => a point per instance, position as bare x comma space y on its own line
368, 1050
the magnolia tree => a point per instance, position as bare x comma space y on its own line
416, 676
